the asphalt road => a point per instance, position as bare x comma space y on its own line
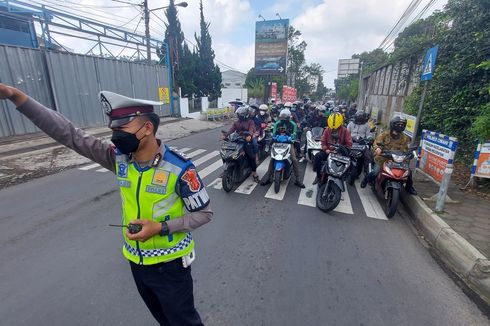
263, 260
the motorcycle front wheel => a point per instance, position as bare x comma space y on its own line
277, 181
392, 199
328, 198
227, 179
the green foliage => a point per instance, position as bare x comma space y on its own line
347, 88
371, 60
208, 75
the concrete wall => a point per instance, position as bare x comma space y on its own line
231, 94
385, 89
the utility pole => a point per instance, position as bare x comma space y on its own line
147, 30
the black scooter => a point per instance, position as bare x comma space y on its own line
235, 162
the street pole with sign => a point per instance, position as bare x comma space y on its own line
428, 71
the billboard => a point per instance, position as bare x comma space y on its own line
274, 91
348, 67
481, 167
271, 46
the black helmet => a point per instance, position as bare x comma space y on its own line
242, 113
360, 118
398, 124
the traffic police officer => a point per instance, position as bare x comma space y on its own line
160, 190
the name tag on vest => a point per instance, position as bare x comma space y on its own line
156, 190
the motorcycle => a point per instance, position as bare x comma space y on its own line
264, 139
393, 175
359, 145
313, 142
332, 176
281, 156
236, 166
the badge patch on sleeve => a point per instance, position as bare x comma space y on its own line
122, 170
160, 178
192, 180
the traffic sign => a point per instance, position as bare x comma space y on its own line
430, 63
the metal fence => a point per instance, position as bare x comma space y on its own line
70, 83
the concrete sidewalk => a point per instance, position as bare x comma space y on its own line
24, 158
460, 234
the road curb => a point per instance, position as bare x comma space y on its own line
456, 252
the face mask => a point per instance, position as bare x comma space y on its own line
125, 141
262, 112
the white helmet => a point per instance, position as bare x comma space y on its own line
288, 105
285, 114
263, 107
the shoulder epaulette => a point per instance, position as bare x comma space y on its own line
180, 155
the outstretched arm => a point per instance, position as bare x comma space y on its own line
61, 129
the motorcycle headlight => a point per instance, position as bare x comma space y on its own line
405, 175
335, 168
398, 158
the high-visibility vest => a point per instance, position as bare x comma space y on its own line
151, 193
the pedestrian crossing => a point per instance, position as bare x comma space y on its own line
208, 164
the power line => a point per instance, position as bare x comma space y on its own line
141, 18
401, 21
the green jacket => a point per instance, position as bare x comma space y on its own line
291, 128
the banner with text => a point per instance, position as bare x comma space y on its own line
437, 151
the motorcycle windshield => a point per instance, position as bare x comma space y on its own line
316, 133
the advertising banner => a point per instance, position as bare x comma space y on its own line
437, 151
481, 167
274, 90
289, 94
271, 46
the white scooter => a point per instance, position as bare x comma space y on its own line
313, 142
281, 157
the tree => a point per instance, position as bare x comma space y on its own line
174, 37
208, 76
371, 60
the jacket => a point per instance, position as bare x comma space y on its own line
344, 138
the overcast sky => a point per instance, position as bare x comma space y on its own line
332, 29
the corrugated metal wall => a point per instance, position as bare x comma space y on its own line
385, 89
70, 83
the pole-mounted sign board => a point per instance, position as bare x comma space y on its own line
271, 46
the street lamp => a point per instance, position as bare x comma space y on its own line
277, 14
181, 4
260, 16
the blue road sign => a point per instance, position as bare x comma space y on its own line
430, 63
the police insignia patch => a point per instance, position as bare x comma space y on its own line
160, 178
190, 177
122, 170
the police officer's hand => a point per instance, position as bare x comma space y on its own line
149, 230
378, 151
13, 94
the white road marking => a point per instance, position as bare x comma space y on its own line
210, 169
249, 184
216, 184
102, 170
89, 167
307, 196
205, 158
345, 205
282, 191
370, 203
195, 153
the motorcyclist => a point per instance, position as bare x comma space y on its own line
245, 127
316, 118
392, 139
293, 108
352, 111
284, 126
336, 133
359, 129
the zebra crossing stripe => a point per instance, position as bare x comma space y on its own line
89, 167
210, 169
216, 184
370, 203
205, 158
345, 206
195, 153
249, 184
282, 191
102, 170
307, 196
